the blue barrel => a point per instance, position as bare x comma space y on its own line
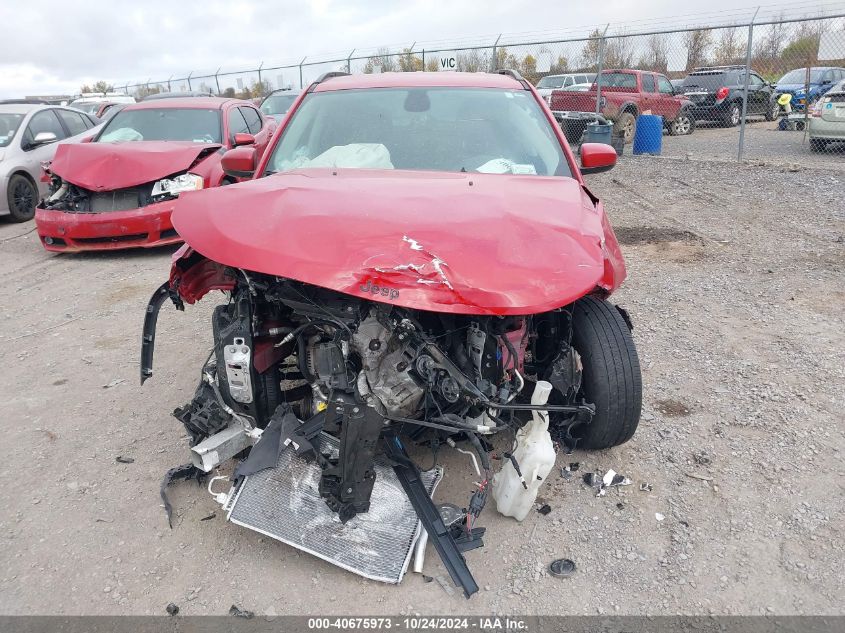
598, 133
648, 139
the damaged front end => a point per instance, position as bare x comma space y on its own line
301, 370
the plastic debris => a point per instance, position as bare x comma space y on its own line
659, 516
172, 608
646, 486
427, 579
562, 568
544, 509
209, 517
120, 459
114, 383
237, 612
611, 479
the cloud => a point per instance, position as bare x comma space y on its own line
54, 46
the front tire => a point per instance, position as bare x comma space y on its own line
682, 125
22, 197
626, 126
611, 377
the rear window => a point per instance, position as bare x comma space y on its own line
711, 81
552, 81
619, 80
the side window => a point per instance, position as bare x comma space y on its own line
74, 121
755, 81
648, 82
664, 85
253, 120
43, 121
237, 124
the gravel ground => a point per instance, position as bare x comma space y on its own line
763, 142
736, 289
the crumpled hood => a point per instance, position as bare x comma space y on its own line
461, 243
110, 166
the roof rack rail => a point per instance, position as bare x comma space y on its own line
727, 67
510, 72
330, 75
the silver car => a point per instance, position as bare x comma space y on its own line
827, 123
28, 136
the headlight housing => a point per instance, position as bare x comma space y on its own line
177, 185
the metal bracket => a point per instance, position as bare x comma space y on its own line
438, 533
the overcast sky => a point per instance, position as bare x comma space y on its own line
54, 46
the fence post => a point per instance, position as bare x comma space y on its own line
260, 85
745, 87
216, 80
423, 58
168, 82
349, 62
600, 67
300, 71
189, 80
495, 57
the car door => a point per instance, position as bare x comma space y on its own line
758, 95
235, 124
33, 155
668, 102
648, 97
257, 127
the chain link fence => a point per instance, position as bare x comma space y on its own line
766, 89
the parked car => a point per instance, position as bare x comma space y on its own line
29, 133
562, 82
176, 95
427, 274
278, 102
624, 95
717, 92
108, 110
827, 118
820, 79
90, 102
118, 190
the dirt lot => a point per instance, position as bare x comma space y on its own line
763, 142
736, 289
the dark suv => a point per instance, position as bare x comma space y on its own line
716, 95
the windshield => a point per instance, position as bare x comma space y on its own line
278, 104
163, 124
90, 107
551, 81
799, 76
9, 123
439, 129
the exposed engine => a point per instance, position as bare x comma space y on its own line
360, 370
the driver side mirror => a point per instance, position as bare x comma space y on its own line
596, 158
43, 138
242, 138
239, 162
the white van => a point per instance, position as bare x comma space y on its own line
558, 82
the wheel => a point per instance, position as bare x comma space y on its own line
22, 197
682, 125
817, 145
611, 377
733, 115
773, 112
626, 126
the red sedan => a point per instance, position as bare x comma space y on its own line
118, 189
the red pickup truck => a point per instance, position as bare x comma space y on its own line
626, 94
